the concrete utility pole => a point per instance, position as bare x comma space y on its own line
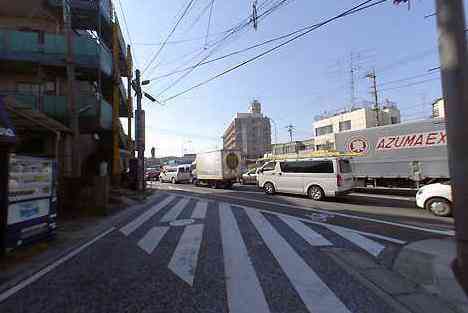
139, 131
72, 111
129, 100
373, 77
454, 69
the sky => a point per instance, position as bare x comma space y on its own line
296, 83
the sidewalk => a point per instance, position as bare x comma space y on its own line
71, 233
427, 263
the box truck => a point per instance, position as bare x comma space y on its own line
220, 168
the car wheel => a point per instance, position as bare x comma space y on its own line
269, 188
173, 180
439, 206
316, 193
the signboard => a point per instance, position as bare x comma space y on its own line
415, 140
7, 132
27, 210
30, 178
358, 145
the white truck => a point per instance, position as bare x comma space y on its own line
405, 155
220, 168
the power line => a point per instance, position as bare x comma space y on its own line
187, 8
217, 45
406, 78
127, 30
209, 23
353, 10
412, 84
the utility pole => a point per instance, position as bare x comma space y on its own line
129, 100
139, 131
290, 129
116, 171
72, 111
454, 70
352, 85
373, 78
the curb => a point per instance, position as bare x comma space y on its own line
51, 255
427, 263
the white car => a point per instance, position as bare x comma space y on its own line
436, 198
249, 177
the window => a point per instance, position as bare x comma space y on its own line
345, 166
394, 120
270, 166
345, 125
324, 130
324, 166
326, 146
181, 170
28, 88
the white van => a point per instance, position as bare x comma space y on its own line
317, 178
176, 174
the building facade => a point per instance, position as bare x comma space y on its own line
250, 133
360, 118
33, 60
293, 147
438, 108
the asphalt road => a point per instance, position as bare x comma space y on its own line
202, 250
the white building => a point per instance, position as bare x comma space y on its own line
359, 118
438, 108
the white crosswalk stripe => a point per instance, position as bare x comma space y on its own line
184, 259
243, 288
200, 210
175, 211
242, 280
133, 225
313, 291
312, 237
152, 238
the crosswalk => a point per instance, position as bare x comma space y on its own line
241, 230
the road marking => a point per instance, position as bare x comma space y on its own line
200, 210
175, 210
312, 237
184, 260
315, 294
370, 246
152, 238
8, 293
244, 292
429, 230
133, 225
390, 239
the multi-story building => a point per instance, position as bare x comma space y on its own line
293, 147
250, 133
438, 108
358, 118
33, 67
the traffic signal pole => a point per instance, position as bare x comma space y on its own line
453, 60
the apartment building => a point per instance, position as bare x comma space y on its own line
358, 118
33, 49
250, 133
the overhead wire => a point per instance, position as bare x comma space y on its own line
406, 79
155, 56
362, 6
209, 23
411, 84
127, 29
242, 26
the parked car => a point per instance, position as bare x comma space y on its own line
436, 198
317, 177
176, 174
249, 177
152, 175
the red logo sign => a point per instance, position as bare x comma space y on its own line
358, 145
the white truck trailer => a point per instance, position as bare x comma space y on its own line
401, 155
220, 168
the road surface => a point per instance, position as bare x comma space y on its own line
216, 251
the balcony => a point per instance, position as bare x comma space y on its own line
85, 10
26, 47
91, 119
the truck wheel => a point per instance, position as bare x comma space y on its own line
214, 185
316, 193
173, 180
439, 207
269, 188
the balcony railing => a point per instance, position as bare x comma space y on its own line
86, 7
56, 107
25, 46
